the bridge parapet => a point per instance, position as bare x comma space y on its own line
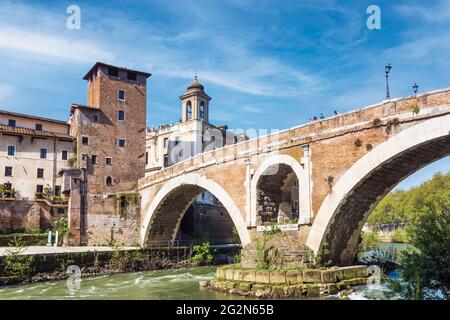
378, 115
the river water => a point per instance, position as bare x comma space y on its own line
162, 284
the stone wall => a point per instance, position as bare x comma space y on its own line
24, 214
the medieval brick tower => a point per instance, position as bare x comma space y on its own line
110, 136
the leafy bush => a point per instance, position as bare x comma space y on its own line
425, 268
202, 254
15, 263
400, 236
369, 241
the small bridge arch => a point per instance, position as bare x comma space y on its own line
167, 208
272, 166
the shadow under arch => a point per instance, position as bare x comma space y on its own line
345, 210
163, 218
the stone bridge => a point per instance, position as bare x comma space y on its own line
344, 165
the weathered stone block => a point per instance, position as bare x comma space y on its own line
229, 274
249, 276
277, 277
328, 276
221, 273
262, 277
312, 276
294, 277
361, 271
237, 275
313, 291
348, 272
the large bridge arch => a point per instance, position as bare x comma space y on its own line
345, 210
174, 198
273, 162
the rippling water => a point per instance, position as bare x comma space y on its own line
162, 284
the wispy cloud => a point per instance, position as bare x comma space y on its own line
5, 91
51, 46
438, 12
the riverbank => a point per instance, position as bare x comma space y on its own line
29, 265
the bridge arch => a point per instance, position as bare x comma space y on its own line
275, 163
346, 209
168, 207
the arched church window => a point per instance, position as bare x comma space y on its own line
188, 110
109, 181
202, 110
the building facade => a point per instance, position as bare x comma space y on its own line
33, 152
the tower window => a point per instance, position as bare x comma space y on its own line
64, 155
38, 126
95, 118
113, 71
40, 173
121, 115
121, 95
166, 160
131, 75
11, 150
109, 181
8, 171
166, 141
94, 159
43, 153
188, 110
122, 143
235, 139
11, 122
108, 161
202, 110
84, 140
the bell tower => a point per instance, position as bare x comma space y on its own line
195, 103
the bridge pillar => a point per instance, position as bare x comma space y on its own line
304, 184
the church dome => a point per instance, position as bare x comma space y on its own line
195, 85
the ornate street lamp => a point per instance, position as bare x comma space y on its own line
415, 88
388, 69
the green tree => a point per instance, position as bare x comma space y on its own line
425, 269
400, 206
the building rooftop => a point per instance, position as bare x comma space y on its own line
16, 114
97, 64
32, 132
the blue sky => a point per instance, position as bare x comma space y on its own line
266, 64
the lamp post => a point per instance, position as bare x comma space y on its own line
387, 69
415, 88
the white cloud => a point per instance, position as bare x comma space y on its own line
439, 12
5, 91
52, 46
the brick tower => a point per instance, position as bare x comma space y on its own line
110, 132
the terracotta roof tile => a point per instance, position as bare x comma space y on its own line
31, 132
